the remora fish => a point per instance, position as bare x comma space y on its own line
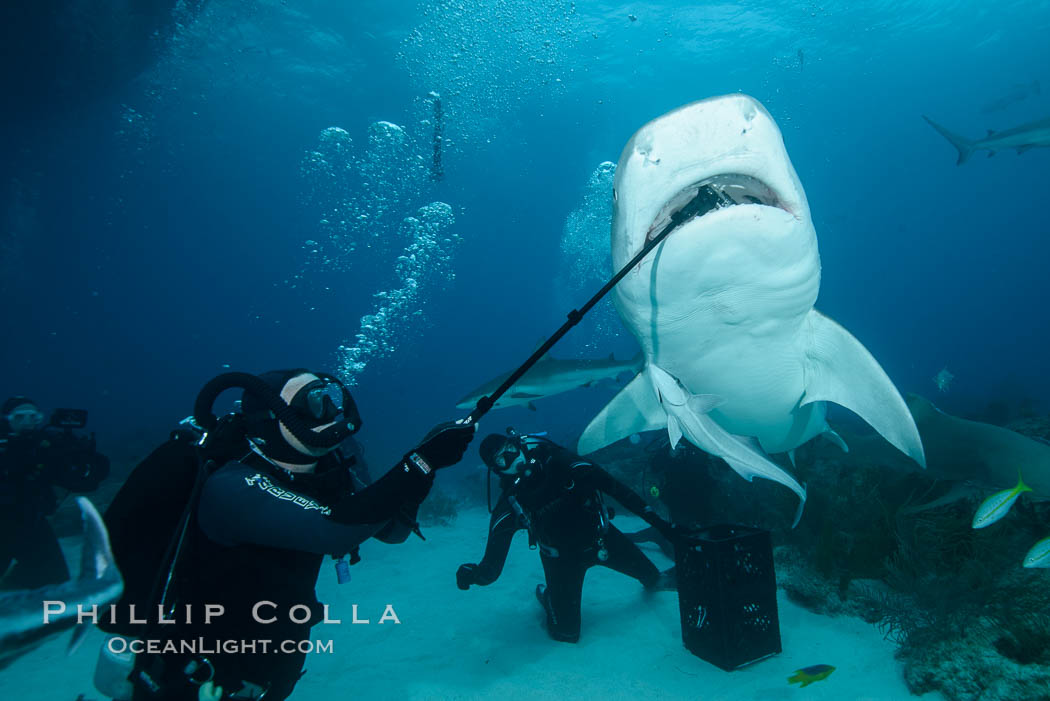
724, 306
22, 626
1022, 138
551, 376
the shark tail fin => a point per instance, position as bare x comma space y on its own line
963, 145
633, 410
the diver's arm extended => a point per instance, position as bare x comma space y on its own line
608, 484
401, 490
240, 506
403, 487
502, 527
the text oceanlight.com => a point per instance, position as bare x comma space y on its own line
202, 646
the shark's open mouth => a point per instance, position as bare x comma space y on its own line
710, 194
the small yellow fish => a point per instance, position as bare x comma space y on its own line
808, 675
998, 505
1039, 555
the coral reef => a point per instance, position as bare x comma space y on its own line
969, 621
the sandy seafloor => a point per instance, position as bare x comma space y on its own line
489, 642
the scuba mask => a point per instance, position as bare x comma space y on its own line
508, 457
290, 418
323, 400
22, 415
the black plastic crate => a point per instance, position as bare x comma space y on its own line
727, 595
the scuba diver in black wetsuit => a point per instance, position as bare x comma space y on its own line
275, 497
557, 496
34, 459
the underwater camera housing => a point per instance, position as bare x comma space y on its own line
727, 595
69, 418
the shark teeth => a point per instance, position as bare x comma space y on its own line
717, 192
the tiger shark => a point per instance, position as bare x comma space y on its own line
1022, 138
552, 376
737, 360
30, 617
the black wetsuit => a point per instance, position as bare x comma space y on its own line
31, 465
561, 506
260, 535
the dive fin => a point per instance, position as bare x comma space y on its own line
633, 410
839, 369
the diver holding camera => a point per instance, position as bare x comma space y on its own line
35, 457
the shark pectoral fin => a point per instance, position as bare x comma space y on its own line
674, 431
531, 406
633, 410
839, 369
835, 438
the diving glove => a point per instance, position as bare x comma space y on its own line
465, 576
445, 444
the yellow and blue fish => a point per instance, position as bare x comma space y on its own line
808, 675
998, 505
1039, 555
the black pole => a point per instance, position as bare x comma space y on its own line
707, 198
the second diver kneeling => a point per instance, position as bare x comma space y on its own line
557, 496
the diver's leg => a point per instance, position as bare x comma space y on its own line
626, 558
561, 599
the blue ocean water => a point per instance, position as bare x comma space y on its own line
157, 216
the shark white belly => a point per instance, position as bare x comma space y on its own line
724, 305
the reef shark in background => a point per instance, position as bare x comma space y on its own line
1015, 94
1022, 138
737, 360
980, 453
22, 626
551, 376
